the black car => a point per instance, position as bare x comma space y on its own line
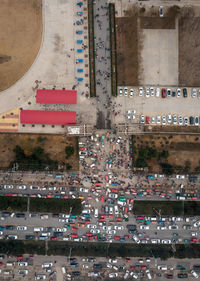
182, 275
173, 93
10, 227
97, 266
76, 273
185, 93
191, 120
30, 237
20, 215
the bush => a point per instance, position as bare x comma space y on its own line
69, 151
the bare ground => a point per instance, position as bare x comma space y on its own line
189, 49
20, 37
54, 145
127, 51
183, 150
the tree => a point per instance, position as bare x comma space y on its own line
69, 151
19, 152
167, 168
164, 154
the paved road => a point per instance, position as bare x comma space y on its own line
103, 65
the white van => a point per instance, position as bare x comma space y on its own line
96, 212
63, 270
47, 264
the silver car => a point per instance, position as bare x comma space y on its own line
126, 92
194, 93
120, 92
163, 120
174, 118
142, 119
180, 120
131, 93
140, 92
147, 93
152, 91
158, 119
185, 121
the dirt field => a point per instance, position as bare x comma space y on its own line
54, 145
189, 49
157, 23
127, 51
20, 37
183, 150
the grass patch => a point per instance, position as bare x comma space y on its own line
91, 49
20, 247
113, 49
167, 208
52, 205
13, 204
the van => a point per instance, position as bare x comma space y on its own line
37, 229
96, 213
148, 274
47, 264
9, 263
162, 267
63, 270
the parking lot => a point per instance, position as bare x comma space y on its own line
150, 100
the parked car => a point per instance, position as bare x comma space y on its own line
164, 94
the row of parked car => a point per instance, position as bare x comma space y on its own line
170, 120
157, 92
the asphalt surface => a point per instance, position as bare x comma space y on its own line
102, 63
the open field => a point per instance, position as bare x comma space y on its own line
54, 146
20, 37
168, 208
181, 152
189, 48
127, 50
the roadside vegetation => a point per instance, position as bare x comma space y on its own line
43, 205
166, 154
113, 49
166, 208
91, 49
52, 205
20, 247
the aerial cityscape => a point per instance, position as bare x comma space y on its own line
100, 140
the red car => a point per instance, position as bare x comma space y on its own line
164, 94
74, 228
88, 234
102, 198
20, 257
117, 237
74, 235
147, 119
127, 260
54, 238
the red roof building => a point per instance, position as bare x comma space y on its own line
56, 96
47, 117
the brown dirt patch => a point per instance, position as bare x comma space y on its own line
127, 50
157, 23
183, 150
54, 145
20, 37
189, 49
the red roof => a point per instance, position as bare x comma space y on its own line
56, 96
47, 117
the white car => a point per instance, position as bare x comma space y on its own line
136, 239
157, 92
153, 120
131, 111
152, 91
166, 241
194, 93
126, 92
84, 190
112, 260
160, 227
21, 187
94, 231
161, 11
140, 92
185, 121
169, 120
180, 120
174, 118
178, 93
131, 93
158, 119
147, 92
196, 224
144, 226
118, 227
120, 92
142, 119
21, 227
194, 274
163, 120
111, 231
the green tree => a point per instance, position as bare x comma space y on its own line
69, 151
